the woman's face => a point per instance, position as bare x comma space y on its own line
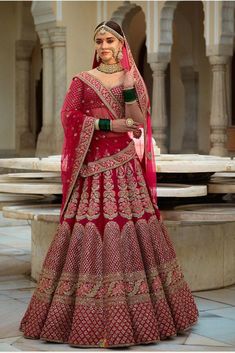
107, 47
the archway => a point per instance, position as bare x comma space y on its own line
190, 78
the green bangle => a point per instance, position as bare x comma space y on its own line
129, 95
104, 124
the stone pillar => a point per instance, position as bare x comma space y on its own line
190, 82
58, 42
219, 109
159, 116
25, 140
46, 135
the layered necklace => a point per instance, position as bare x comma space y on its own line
110, 68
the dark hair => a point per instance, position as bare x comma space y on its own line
113, 25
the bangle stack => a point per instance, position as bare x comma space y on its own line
129, 95
104, 124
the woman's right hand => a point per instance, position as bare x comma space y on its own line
119, 125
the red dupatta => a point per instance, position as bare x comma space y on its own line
78, 132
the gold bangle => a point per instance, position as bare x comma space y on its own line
97, 124
111, 125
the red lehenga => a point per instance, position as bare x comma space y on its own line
110, 277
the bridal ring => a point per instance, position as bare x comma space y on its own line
129, 122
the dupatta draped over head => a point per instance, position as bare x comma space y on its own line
79, 129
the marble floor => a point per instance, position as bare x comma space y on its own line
215, 330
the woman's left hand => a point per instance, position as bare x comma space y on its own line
129, 80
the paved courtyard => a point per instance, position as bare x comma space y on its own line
215, 330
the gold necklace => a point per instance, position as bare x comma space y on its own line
110, 68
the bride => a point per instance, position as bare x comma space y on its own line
110, 277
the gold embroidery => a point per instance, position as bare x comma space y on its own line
103, 93
133, 197
93, 211
111, 162
143, 285
123, 196
110, 204
144, 194
83, 202
80, 154
72, 205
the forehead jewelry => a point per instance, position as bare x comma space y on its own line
102, 31
104, 28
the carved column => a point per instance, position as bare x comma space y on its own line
159, 116
58, 43
219, 109
45, 138
25, 141
190, 82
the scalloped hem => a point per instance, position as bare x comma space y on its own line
44, 339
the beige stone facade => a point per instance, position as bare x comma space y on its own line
184, 49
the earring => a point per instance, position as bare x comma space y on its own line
97, 57
120, 55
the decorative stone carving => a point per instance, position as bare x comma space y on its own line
219, 109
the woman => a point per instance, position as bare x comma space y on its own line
110, 277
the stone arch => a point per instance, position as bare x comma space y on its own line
42, 12
125, 14
166, 29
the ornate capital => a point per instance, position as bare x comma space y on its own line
44, 39
24, 49
57, 36
218, 59
158, 68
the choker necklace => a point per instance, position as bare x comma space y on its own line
110, 69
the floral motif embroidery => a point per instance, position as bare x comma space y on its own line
144, 194
125, 194
123, 197
73, 203
110, 204
133, 191
133, 196
93, 211
111, 162
84, 202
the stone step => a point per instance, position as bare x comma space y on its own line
215, 213
180, 190
32, 188
32, 212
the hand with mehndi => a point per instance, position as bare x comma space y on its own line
129, 80
119, 125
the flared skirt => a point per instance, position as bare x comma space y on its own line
110, 276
